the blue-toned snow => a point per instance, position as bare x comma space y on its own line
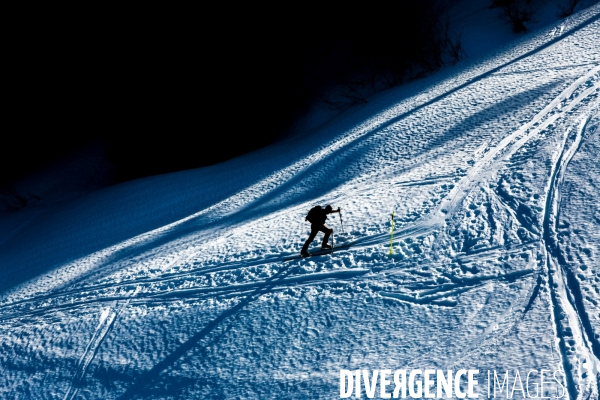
174, 286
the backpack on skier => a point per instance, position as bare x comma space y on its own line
318, 215
314, 215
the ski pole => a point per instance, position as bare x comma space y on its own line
341, 222
332, 245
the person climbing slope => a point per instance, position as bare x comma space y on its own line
317, 216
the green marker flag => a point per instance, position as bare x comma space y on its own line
392, 236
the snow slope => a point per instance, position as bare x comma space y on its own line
175, 286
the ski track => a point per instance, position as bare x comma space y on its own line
107, 318
572, 327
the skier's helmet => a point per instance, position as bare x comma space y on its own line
328, 208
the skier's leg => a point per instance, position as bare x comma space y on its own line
328, 232
313, 233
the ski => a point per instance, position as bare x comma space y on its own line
319, 252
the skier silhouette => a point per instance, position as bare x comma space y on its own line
317, 216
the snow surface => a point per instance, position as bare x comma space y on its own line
174, 286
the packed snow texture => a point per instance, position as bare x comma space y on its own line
174, 286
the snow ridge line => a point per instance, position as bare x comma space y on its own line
570, 317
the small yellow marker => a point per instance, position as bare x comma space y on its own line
392, 236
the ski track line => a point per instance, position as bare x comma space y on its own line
509, 318
452, 289
232, 290
160, 279
107, 319
506, 318
319, 277
409, 231
488, 253
136, 284
121, 265
571, 322
506, 145
197, 272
